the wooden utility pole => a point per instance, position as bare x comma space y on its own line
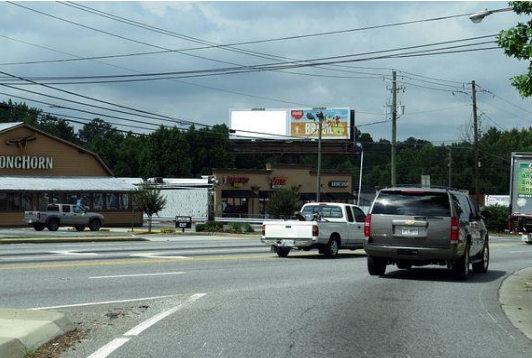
394, 125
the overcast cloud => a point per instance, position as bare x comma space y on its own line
54, 49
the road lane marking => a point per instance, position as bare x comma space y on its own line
116, 343
104, 302
157, 256
73, 253
139, 275
109, 347
135, 331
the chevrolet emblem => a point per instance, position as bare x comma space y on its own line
409, 222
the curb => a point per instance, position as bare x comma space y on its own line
24, 331
515, 297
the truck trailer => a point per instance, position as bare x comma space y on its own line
520, 209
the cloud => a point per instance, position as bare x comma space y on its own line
41, 40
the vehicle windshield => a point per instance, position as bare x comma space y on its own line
412, 203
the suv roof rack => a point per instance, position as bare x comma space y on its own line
421, 186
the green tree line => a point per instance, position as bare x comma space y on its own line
189, 153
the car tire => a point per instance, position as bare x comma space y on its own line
281, 252
404, 265
80, 228
482, 266
95, 225
53, 225
460, 268
376, 266
39, 227
331, 249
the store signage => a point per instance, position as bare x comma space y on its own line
26, 162
278, 182
236, 182
338, 184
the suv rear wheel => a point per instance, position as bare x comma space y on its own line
376, 266
482, 266
460, 269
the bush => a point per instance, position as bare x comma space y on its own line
499, 218
210, 226
241, 227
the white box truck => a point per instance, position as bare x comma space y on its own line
520, 211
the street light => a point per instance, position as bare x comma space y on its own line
360, 174
479, 16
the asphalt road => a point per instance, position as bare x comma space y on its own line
224, 297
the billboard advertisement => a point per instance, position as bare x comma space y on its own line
304, 123
294, 123
258, 123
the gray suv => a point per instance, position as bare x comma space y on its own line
416, 226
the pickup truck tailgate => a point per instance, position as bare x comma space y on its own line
288, 230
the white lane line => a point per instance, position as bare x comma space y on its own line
73, 253
109, 347
116, 343
104, 302
138, 275
150, 322
156, 256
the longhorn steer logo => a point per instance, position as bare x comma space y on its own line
21, 142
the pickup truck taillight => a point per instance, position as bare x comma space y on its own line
367, 226
315, 230
263, 230
38, 216
455, 230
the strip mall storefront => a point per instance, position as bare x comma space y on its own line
245, 193
37, 169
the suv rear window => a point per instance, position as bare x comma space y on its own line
412, 203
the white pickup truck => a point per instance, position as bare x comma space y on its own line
325, 226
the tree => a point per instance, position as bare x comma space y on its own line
149, 199
517, 43
283, 203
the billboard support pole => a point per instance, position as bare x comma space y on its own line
320, 129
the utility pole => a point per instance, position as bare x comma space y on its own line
475, 144
394, 124
449, 165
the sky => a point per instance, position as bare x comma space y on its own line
140, 65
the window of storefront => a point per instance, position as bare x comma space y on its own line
15, 201
235, 207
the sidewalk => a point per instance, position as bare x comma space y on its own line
24, 331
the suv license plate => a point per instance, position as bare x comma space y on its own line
410, 231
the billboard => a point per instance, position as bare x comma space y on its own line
258, 123
304, 123
293, 123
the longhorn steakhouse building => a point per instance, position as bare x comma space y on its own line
37, 169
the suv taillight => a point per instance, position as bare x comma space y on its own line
455, 230
367, 226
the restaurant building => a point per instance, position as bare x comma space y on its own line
244, 193
37, 169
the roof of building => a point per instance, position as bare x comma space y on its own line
77, 184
